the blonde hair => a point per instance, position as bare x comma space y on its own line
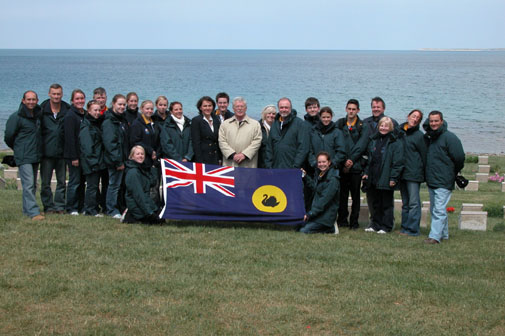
132, 151
388, 121
266, 110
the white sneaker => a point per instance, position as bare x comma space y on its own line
117, 216
381, 232
99, 215
74, 213
369, 229
336, 228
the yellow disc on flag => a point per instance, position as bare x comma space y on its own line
269, 198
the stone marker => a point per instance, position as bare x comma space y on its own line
398, 205
471, 207
18, 181
472, 186
483, 160
425, 214
11, 174
482, 177
2, 183
503, 187
364, 214
473, 220
484, 169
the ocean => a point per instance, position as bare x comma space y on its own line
468, 87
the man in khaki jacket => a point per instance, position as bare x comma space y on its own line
240, 137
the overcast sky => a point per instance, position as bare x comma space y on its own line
253, 24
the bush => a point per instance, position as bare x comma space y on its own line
499, 227
494, 210
471, 159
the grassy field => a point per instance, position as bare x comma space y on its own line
88, 276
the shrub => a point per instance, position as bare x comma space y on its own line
499, 227
471, 159
494, 210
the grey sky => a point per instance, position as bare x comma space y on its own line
259, 24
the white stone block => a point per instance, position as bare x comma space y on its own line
398, 205
11, 174
364, 214
471, 207
473, 220
18, 180
503, 187
425, 214
472, 186
484, 169
483, 159
482, 177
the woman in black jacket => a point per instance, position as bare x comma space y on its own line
382, 175
205, 133
175, 135
138, 181
413, 173
91, 144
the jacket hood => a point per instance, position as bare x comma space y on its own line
94, 121
171, 122
392, 136
409, 130
290, 117
311, 119
115, 117
23, 111
431, 133
46, 106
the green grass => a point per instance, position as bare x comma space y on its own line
87, 276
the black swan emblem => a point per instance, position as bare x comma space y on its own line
269, 201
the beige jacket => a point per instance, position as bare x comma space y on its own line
244, 138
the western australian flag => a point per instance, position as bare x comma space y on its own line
197, 191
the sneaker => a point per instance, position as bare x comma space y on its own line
336, 228
99, 215
370, 229
381, 232
74, 213
117, 216
38, 217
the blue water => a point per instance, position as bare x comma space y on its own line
468, 87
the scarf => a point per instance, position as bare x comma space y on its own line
179, 122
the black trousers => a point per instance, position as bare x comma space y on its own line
383, 216
349, 183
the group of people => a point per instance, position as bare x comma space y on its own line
118, 148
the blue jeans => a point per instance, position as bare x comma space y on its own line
115, 177
439, 198
312, 227
28, 176
411, 208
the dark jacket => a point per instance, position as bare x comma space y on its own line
445, 157
356, 141
312, 121
288, 147
53, 130
146, 135
414, 147
131, 115
138, 182
158, 120
91, 145
328, 139
115, 139
228, 114
263, 147
325, 189
205, 142
71, 129
176, 144
391, 166
24, 135
372, 123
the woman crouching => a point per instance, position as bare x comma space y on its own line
382, 175
325, 187
138, 181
